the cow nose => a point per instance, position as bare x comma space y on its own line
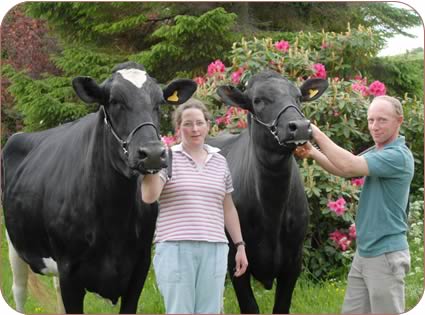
300, 129
292, 126
152, 157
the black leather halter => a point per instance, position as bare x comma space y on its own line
125, 143
272, 127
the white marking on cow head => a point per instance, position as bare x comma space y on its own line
135, 76
51, 267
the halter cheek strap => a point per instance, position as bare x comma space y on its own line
125, 143
272, 127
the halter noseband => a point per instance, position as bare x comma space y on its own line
272, 127
125, 143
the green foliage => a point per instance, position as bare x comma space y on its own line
119, 24
44, 103
188, 44
413, 130
402, 73
87, 61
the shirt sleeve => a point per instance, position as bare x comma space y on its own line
386, 163
228, 180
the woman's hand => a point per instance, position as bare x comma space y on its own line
241, 261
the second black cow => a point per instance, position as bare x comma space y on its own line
269, 193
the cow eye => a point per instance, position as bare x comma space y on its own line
257, 101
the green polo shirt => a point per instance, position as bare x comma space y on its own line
381, 220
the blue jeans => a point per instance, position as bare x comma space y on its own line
190, 275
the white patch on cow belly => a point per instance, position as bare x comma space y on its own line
51, 268
135, 76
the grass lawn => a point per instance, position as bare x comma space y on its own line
308, 298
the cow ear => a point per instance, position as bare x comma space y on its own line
87, 89
313, 88
232, 96
179, 91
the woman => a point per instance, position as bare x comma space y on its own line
195, 206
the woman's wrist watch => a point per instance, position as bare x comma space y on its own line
239, 244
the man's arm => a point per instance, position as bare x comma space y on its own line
344, 162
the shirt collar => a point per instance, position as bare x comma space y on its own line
208, 148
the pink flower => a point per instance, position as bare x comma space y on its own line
377, 88
236, 76
216, 67
324, 45
337, 206
340, 239
199, 80
357, 181
359, 87
242, 124
352, 231
319, 71
169, 140
282, 45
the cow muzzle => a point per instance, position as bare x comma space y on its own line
299, 132
150, 158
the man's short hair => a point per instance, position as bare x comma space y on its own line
391, 100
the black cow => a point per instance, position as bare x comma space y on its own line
269, 193
71, 195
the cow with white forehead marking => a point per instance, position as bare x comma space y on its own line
71, 194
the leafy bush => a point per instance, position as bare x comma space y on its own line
182, 47
402, 73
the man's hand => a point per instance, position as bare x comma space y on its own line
303, 151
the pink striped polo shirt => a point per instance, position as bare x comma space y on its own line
191, 202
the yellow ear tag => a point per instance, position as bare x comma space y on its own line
173, 97
312, 93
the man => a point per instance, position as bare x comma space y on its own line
376, 278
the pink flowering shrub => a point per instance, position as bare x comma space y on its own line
341, 240
338, 206
357, 181
234, 120
199, 80
377, 88
216, 67
319, 71
169, 140
282, 46
352, 231
236, 76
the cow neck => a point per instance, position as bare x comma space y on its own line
271, 159
108, 160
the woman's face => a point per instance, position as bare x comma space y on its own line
193, 128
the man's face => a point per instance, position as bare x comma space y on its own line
383, 122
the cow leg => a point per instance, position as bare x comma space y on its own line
60, 309
20, 277
72, 294
130, 300
244, 294
285, 287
